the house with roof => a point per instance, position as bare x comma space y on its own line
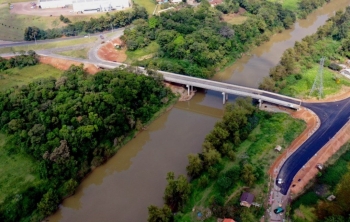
246, 199
228, 220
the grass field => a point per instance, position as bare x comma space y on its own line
141, 54
289, 4
12, 26
235, 20
279, 129
301, 88
12, 1
16, 171
79, 53
148, 4
18, 77
49, 45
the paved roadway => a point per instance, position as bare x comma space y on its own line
23, 43
333, 116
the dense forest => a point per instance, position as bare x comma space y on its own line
69, 126
197, 41
103, 23
330, 41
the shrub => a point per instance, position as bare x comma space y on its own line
334, 66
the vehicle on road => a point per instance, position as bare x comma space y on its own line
278, 210
279, 181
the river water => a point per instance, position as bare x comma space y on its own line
123, 188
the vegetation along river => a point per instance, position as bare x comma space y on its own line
123, 188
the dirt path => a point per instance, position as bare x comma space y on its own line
109, 53
64, 64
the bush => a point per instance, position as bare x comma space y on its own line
334, 66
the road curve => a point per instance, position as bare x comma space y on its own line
333, 116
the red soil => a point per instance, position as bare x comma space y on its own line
109, 53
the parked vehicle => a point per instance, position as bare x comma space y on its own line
278, 210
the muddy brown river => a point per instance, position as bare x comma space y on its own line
123, 188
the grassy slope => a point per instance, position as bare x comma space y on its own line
280, 129
79, 53
289, 4
301, 88
16, 24
16, 171
148, 4
48, 45
144, 52
16, 76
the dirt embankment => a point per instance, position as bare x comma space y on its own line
181, 91
64, 64
108, 52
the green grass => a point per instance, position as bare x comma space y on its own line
304, 213
16, 24
148, 4
259, 148
18, 77
289, 4
144, 53
301, 88
49, 45
12, 1
79, 53
16, 170
237, 20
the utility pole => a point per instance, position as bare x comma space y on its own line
112, 27
34, 38
318, 83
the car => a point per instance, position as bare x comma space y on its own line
280, 181
278, 210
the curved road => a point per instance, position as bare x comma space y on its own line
333, 116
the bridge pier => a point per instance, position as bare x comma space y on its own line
224, 97
189, 89
260, 102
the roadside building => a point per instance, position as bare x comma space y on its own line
213, 3
247, 199
86, 5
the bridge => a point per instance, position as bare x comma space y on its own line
224, 88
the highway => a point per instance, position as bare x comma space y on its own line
333, 116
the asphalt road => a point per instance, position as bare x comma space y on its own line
54, 40
333, 116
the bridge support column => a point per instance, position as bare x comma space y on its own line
260, 102
224, 98
188, 89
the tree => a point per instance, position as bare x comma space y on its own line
247, 174
211, 157
176, 192
156, 214
48, 203
195, 165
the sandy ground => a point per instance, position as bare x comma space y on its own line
181, 91
24, 8
64, 64
109, 53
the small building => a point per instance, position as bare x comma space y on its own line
228, 220
331, 197
176, 1
246, 199
278, 148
